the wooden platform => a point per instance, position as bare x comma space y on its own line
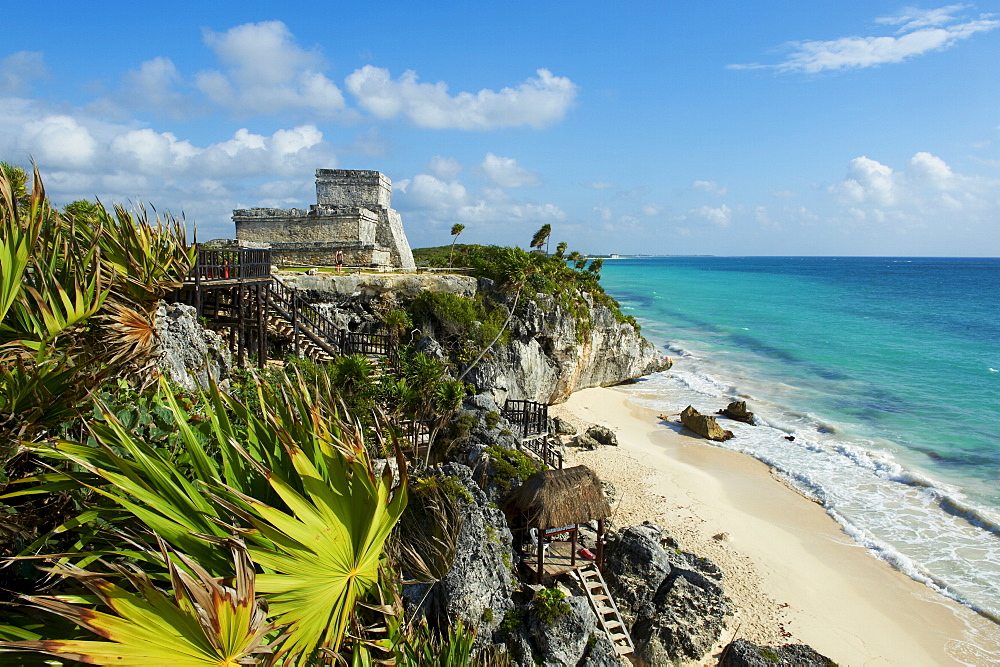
558, 559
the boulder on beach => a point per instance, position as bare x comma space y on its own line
704, 425
743, 653
738, 410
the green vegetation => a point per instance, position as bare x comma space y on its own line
461, 325
234, 525
574, 288
511, 620
510, 464
551, 604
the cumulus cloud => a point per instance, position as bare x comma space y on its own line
445, 168
155, 86
60, 140
84, 157
266, 71
651, 210
721, 216
710, 186
919, 32
599, 185
504, 172
927, 187
18, 69
537, 102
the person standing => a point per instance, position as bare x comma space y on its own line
339, 259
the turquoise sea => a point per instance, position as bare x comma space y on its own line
885, 370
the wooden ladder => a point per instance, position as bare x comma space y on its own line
607, 611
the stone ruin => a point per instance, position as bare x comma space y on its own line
352, 211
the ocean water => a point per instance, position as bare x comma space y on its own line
885, 370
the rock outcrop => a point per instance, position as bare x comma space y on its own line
704, 425
738, 410
480, 583
743, 653
563, 641
188, 353
675, 611
547, 358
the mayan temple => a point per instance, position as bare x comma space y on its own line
353, 211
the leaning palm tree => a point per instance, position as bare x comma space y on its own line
541, 238
456, 229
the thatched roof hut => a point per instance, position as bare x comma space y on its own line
558, 498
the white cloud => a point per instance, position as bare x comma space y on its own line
18, 69
716, 215
710, 186
429, 192
920, 32
537, 102
445, 168
604, 212
59, 140
504, 172
599, 185
267, 72
651, 210
927, 189
154, 86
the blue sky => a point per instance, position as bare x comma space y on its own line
820, 128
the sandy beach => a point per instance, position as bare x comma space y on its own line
793, 575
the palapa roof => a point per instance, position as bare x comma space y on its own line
555, 498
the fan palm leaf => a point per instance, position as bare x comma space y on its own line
202, 623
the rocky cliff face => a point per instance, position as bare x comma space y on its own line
546, 360
188, 353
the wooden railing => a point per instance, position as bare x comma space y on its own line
308, 320
532, 421
215, 264
530, 416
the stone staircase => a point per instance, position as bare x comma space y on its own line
604, 606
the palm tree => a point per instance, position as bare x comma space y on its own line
456, 229
541, 238
561, 249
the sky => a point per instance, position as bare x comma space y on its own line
750, 128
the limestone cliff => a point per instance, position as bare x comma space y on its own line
547, 357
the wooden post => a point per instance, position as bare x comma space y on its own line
572, 542
241, 310
600, 544
261, 325
295, 325
541, 554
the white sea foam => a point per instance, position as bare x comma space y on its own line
924, 528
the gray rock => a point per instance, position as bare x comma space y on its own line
634, 567
188, 353
480, 577
674, 611
689, 616
586, 441
603, 435
561, 426
564, 640
744, 653
602, 653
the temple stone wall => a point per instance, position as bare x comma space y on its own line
352, 212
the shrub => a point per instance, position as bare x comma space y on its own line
510, 464
492, 419
551, 604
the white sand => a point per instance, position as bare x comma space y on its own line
792, 574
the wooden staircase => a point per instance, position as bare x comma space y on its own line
604, 606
